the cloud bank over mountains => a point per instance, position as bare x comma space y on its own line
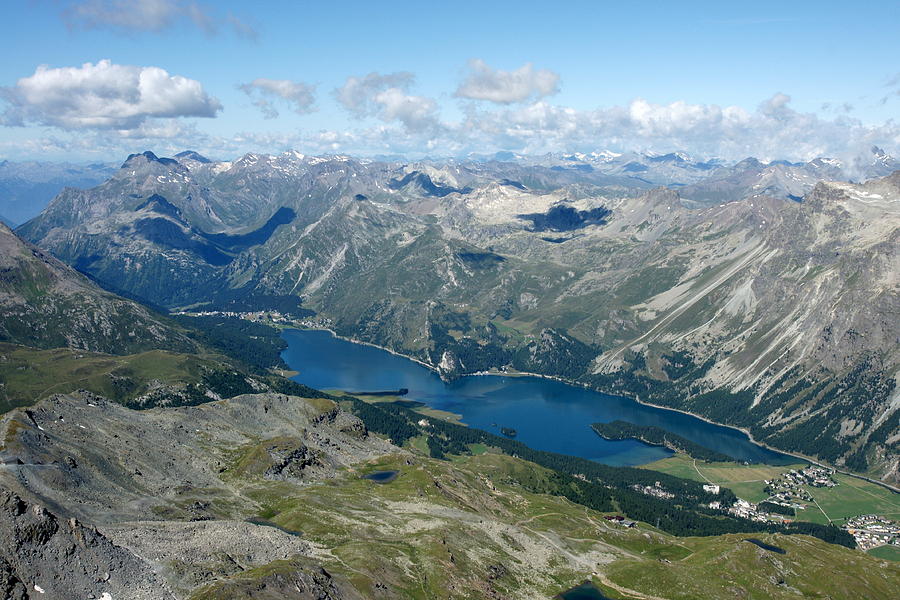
103, 96
496, 110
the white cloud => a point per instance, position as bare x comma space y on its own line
300, 96
149, 15
506, 87
417, 113
122, 116
104, 96
386, 97
357, 93
773, 131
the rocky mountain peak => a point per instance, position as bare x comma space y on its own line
192, 155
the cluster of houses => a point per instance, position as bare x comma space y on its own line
268, 316
314, 323
871, 531
789, 488
655, 490
748, 510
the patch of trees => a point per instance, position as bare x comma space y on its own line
257, 345
290, 387
472, 354
554, 353
621, 430
677, 365
286, 305
227, 384
778, 509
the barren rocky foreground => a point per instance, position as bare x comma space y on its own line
261, 496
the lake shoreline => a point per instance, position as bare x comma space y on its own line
636, 399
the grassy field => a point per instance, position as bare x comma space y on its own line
28, 374
461, 530
853, 497
886, 552
850, 498
746, 481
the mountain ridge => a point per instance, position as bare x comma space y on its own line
48, 304
755, 296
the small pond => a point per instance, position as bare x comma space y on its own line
382, 476
766, 546
585, 591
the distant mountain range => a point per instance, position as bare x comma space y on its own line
763, 295
27, 187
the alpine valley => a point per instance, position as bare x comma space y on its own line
759, 295
152, 445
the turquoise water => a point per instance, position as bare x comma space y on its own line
546, 414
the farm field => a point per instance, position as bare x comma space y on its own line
746, 481
850, 498
853, 497
886, 552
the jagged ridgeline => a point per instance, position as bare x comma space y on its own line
752, 294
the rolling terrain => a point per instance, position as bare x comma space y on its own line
263, 494
172, 468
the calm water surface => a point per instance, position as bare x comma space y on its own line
546, 414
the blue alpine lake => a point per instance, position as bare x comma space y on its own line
545, 414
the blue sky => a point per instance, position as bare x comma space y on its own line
775, 80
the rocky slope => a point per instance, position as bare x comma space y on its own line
729, 295
45, 303
171, 486
170, 492
45, 556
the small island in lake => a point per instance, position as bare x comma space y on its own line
400, 392
508, 432
622, 430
